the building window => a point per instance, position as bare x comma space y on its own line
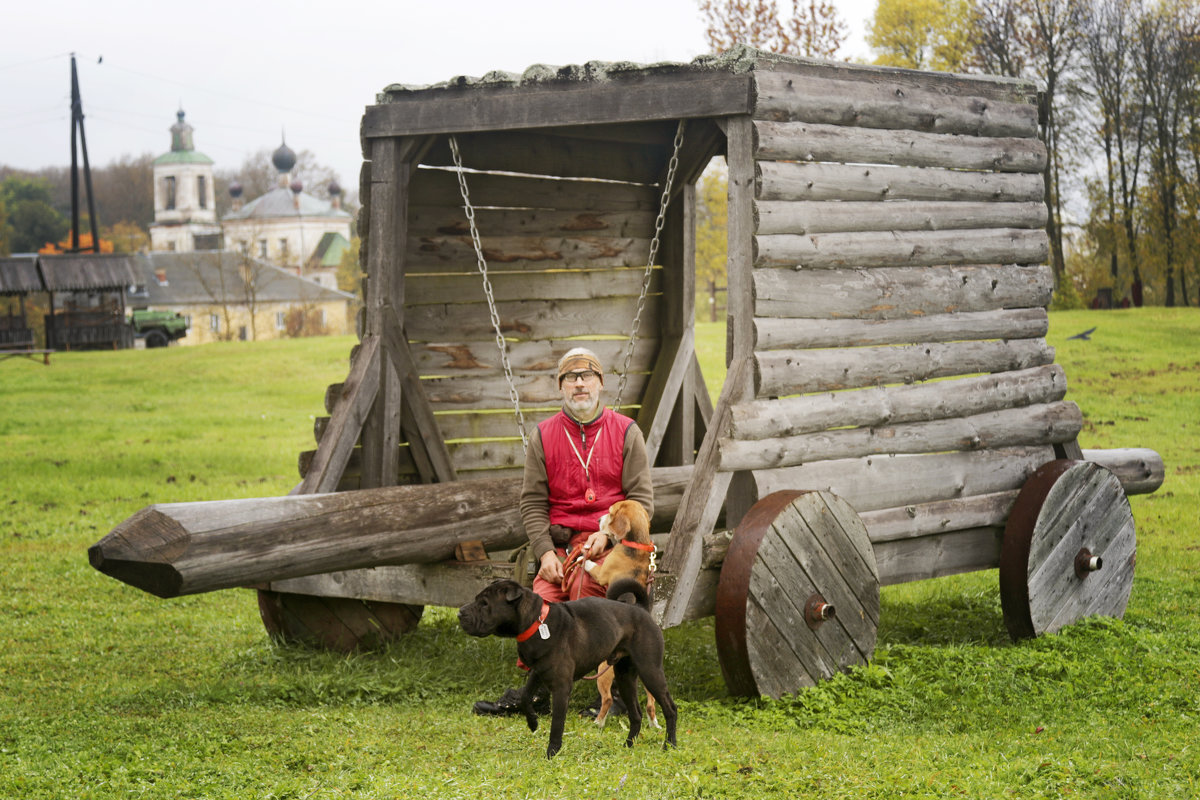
321, 313
202, 191
169, 191
243, 333
280, 320
262, 248
283, 248
214, 323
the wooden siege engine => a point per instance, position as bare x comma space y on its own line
891, 410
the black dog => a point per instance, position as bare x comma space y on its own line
562, 642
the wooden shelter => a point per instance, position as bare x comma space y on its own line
887, 366
93, 316
19, 278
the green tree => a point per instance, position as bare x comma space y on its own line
32, 220
921, 34
349, 271
712, 218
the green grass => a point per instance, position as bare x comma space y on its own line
108, 692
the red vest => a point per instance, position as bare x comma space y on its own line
604, 439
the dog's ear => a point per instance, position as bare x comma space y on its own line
512, 592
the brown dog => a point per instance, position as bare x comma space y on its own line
632, 558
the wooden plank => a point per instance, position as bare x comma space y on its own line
479, 393
899, 292
445, 220
807, 141
799, 181
346, 423
449, 358
701, 503
527, 319
782, 334
902, 248
740, 309
416, 401
781, 671
801, 217
439, 187
938, 555
912, 101
512, 253
636, 98
883, 405
784, 372
575, 284
536, 153
1033, 425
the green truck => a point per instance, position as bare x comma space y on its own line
158, 328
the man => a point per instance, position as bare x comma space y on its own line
578, 463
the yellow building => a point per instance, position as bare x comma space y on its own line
231, 296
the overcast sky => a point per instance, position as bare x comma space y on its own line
249, 73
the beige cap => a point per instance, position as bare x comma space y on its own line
579, 358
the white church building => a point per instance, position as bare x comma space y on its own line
286, 226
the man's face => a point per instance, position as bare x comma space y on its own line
581, 394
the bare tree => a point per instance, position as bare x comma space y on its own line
812, 29
1107, 45
1165, 59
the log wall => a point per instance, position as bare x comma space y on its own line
899, 291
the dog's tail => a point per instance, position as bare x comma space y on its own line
628, 590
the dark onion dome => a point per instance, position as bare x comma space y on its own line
335, 188
235, 190
297, 187
283, 158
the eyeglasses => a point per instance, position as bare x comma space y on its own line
584, 375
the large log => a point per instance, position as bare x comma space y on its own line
783, 372
902, 249
804, 141
898, 292
176, 549
1050, 423
912, 101
782, 180
884, 405
772, 333
782, 216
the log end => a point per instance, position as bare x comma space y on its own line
141, 551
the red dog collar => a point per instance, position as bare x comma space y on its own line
532, 629
645, 548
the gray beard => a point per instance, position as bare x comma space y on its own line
585, 415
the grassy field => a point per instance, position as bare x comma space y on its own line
107, 692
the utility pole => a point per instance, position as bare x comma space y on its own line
77, 125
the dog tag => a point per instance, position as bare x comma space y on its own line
544, 631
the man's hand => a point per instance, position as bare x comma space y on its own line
596, 544
551, 568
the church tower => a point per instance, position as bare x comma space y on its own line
185, 214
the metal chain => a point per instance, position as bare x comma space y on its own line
487, 291
654, 243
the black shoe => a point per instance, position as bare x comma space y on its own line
593, 710
510, 704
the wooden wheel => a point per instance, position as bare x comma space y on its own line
798, 596
335, 623
1069, 549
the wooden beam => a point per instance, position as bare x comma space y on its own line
559, 103
804, 217
349, 413
175, 549
779, 180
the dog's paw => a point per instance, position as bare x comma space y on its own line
601, 719
552, 750
532, 722
654, 723
589, 565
